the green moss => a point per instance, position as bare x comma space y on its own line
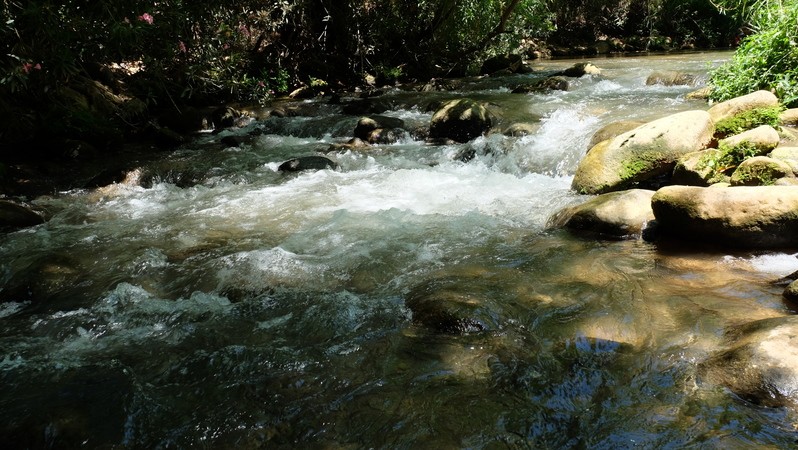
755, 176
724, 161
748, 120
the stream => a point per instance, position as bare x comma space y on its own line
223, 304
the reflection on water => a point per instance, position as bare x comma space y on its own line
406, 300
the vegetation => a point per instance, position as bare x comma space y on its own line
80, 68
767, 59
748, 120
722, 162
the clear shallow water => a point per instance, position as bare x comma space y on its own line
227, 305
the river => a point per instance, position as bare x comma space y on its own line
222, 304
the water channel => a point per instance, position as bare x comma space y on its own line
222, 304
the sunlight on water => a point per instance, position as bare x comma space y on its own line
406, 299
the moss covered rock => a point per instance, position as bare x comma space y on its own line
735, 106
642, 154
760, 171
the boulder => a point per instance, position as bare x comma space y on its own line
791, 292
450, 305
15, 215
522, 129
637, 157
546, 84
787, 154
233, 141
671, 78
789, 118
616, 214
509, 62
612, 130
307, 163
378, 129
461, 120
760, 171
580, 70
745, 217
764, 138
730, 108
693, 169
699, 94
761, 365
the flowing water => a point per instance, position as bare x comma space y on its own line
222, 304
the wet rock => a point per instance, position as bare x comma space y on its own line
730, 108
233, 141
17, 215
450, 305
509, 62
352, 144
521, 129
612, 130
616, 214
378, 129
461, 120
639, 156
761, 365
544, 85
791, 292
671, 78
581, 69
760, 171
745, 217
303, 163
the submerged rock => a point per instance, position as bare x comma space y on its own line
461, 120
747, 217
307, 163
449, 305
762, 364
642, 154
617, 214
546, 84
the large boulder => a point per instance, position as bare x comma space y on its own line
735, 106
642, 154
461, 120
763, 138
616, 214
761, 364
612, 130
787, 154
746, 217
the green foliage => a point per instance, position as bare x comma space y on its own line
767, 59
722, 162
748, 120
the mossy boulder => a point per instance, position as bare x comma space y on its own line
616, 214
637, 157
694, 169
612, 130
745, 217
738, 105
760, 171
461, 120
763, 138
